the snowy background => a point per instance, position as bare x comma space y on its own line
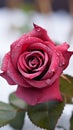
58, 26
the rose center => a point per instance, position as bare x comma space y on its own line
33, 62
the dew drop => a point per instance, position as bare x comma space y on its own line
38, 29
53, 70
58, 54
48, 81
61, 65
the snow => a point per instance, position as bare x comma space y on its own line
58, 26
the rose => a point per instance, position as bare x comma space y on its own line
35, 64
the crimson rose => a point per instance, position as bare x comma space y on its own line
35, 64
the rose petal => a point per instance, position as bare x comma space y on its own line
56, 75
34, 95
15, 75
62, 47
5, 62
21, 47
47, 82
53, 66
22, 63
9, 80
35, 74
46, 60
66, 54
28, 75
40, 33
38, 83
37, 54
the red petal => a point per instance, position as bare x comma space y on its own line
39, 83
35, 74
27, 75
19, 47
9, 80
40, 33
56, 75
5, 62
53, 66
15, 75
22, 63
63, 47
41, 46
34, 96
66, 54
46, 82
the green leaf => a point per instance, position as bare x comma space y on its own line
66, 87
18, 103
14, 100
46, 115
7, 113
18, 121
71, 122
54, 111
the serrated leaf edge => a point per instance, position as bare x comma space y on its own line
34, 122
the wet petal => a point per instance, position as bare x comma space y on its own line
22, 62
62, 47
21, 46
34, 96
15, 75
65, 53
5, 62
53, 66
37, 71
9, 80
38, 83
67, 56
40, 33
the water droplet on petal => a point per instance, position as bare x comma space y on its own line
53, 70
58, 54
63, 63
48, 81
60, 65
38, 29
